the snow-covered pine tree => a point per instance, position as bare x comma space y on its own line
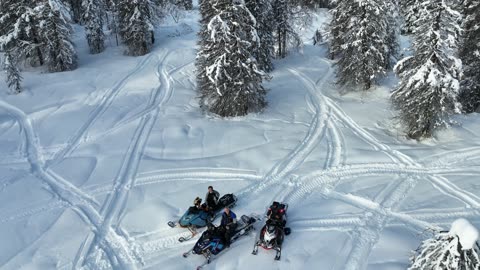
263, 12
14, 78
392, 32
282, 24
453, 250
360, 38
206, 14
185, 4
339, 22
135, 24
56, 36
76, 9
470, 55
20, 32
9, 13
93, 20
233, 85
426, 96
315, 4
410, 11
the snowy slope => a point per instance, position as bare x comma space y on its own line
94, 163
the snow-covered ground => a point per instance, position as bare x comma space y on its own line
95, 162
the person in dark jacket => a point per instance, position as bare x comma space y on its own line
197, 206
211, 199
228, 224
211, 232
276, 212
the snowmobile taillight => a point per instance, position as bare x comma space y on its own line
266, 247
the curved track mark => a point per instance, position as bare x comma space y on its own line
63, 189
314, 135
104, 104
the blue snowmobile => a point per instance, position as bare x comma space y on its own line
212, 241
199, 215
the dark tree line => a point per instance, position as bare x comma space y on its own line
470, 55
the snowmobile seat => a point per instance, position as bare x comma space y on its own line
226, 200
248, 220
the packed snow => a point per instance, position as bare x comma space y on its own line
95, 162
466, 232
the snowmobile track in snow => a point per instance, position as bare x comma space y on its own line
125, 252
391, 197
81, 202
105, 102
116, 201
295, 158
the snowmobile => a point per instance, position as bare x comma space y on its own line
192, 220
212, 241
273, 232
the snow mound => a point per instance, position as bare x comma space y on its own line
466, 232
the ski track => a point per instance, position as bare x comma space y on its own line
335, 145
151, 106
349, 221
365, 237
116, 201
9, 180
441, 183
444, 215
296, 157
61, 188
31, 211
143, 179
366, 228
453, 156
106, 101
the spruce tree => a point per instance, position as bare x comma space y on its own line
426, 96
453, 250
470, 55
76, 9
265, 24
284, 32
206, 14
135, 25
392, 32
60, 53
21, 32
185, 4
411, 15
92, 19
14, 78
10, 11
232, 85
361, 40
340, 21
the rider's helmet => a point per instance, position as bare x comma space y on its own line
197, 201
